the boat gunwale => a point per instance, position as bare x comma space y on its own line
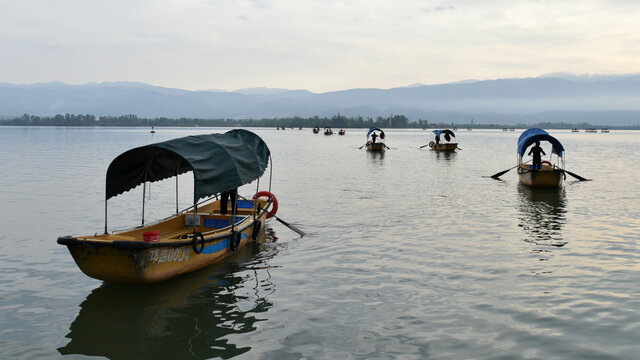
138, 244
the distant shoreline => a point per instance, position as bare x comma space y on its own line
336, 121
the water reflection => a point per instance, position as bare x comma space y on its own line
542, 215
189, 316
376, 155
446, 155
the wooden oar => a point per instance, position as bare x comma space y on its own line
497, 175
362, 146
423, 146
576, 176
300, 232
385, 145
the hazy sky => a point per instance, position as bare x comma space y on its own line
319, 45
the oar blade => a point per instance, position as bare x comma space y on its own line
300, 232
576, 176
497, 175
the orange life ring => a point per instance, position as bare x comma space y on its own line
431, 144
546, 162
271, 196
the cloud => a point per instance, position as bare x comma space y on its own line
437, 8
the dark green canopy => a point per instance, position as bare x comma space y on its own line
219, 162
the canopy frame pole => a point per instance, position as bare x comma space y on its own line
144, 187
234, 207
270, 171
255, 207
144, 190
177, 166
105, 216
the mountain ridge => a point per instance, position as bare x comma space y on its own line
482, 100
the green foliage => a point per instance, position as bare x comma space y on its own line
336, 121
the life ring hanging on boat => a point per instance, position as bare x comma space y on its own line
431, 143
271, 196
546, 162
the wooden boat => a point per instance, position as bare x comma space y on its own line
341, 132
436, 145
328, 131
549, 174
575, 130
375, 145
190, 239
316, 130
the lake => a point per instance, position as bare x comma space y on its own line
410, 254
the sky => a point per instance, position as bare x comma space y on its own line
318, 45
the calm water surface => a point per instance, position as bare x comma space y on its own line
410, 254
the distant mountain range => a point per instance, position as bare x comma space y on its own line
596, 99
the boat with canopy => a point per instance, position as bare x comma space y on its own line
551, 172
373, 144
205, 233
328, 131
438, 144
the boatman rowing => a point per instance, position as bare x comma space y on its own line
537, 157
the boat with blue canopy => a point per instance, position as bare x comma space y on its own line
200, 235
549, 173
442, 140
375, 137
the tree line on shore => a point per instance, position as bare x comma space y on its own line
335, 121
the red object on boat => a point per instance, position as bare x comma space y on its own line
151, 236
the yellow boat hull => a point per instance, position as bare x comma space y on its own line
375, 147
444, 147
126, 258
545, 177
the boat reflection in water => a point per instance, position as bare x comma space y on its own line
542, 215
376, 155
446, 155
190, 316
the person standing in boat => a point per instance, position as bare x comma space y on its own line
537, 153
373, 138
224, 200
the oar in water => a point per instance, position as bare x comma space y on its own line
576, 176
497, 175
423, 146
362, 146
300, 232
385, 145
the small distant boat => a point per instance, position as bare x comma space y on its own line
373, 144
300, 128
604, 130
152, 130
591, 130
512, 129
316, 130
505, 129
548, 175
328, 131
341, 132
192, 238
436, 145
575, 130
469, 129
